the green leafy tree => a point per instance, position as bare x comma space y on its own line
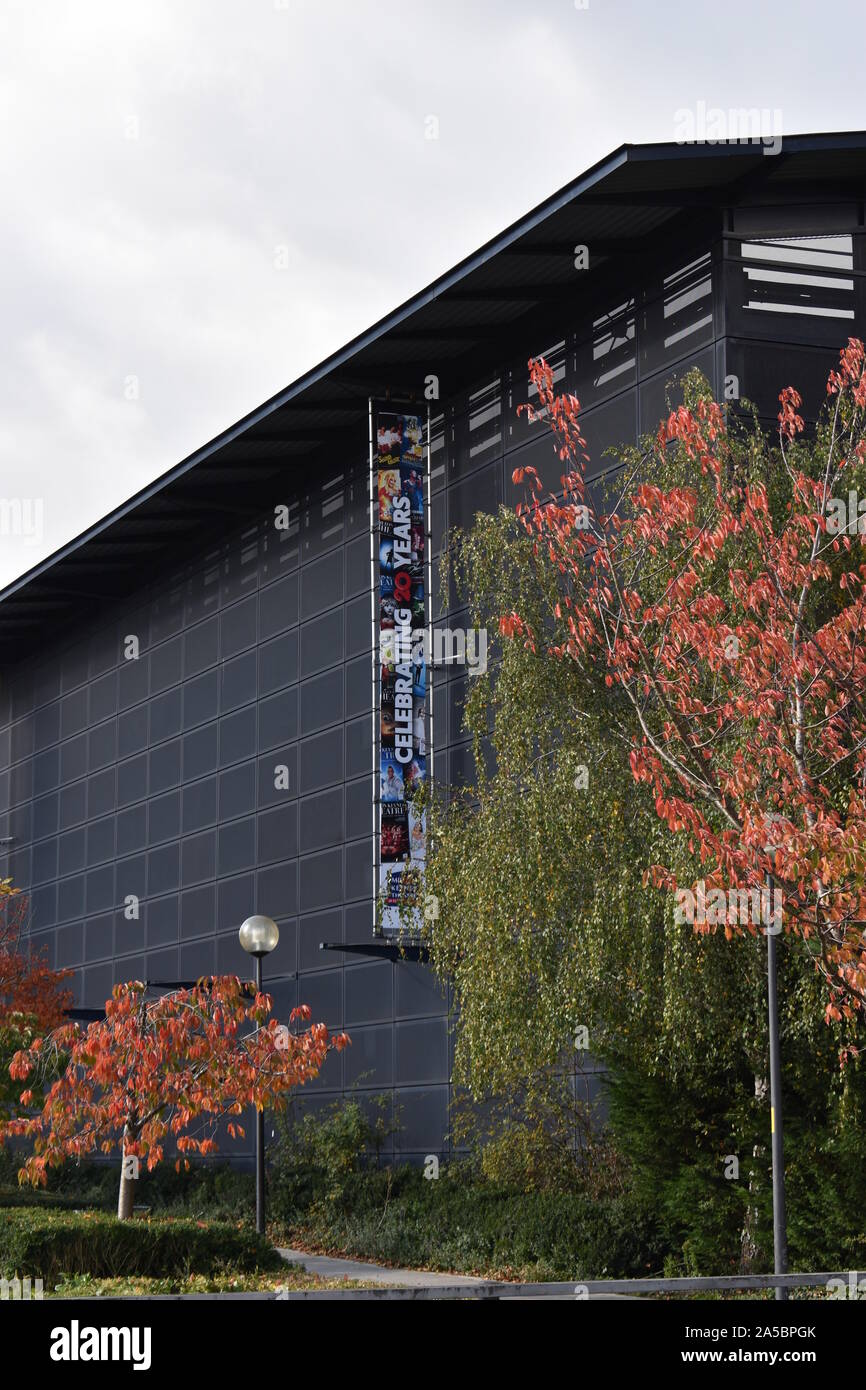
554, 941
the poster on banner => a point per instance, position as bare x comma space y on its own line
402, 614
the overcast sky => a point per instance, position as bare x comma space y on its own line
203, 198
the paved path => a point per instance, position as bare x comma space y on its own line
330, 1268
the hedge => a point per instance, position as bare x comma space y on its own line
45, 1244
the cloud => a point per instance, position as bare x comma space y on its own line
159, 161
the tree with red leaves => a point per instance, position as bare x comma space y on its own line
33, 997
718, 590
160, 1070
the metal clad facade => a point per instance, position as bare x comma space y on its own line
226, 770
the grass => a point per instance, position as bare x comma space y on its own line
294, 1280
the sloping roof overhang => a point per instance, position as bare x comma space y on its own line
628, 206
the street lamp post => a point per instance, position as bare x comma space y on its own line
259, 936
780, 1236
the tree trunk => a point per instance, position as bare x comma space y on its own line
126, 1197
750, 1253
128, 1183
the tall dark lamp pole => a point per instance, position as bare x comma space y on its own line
259, 936
780, 1236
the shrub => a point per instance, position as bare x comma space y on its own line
678, 1139
206, 1191
528, 1157
462, 1222
47, 1244
522, 1207
317, 1153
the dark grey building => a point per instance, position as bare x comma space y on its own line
151, 784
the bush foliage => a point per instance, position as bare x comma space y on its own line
462, 1222
47, 1244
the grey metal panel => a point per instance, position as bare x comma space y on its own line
278, 662
197, 909
321, 820
321, 761
315, 928
234, 896
321, 585
199, 858
237, 790
276, 890
236, 847
238, 681
423, 1119
369, 992
163, 817
278, 605
421, 1051
322, 701
277, 719
162, 920
237, 736
369, 1061
322, 991
321, 880
418, 991
322, 642
200, 646
238, 627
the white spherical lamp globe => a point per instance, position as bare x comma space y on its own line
259, 936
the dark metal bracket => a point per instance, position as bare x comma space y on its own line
381, 949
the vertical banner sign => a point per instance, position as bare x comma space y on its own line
402, 534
